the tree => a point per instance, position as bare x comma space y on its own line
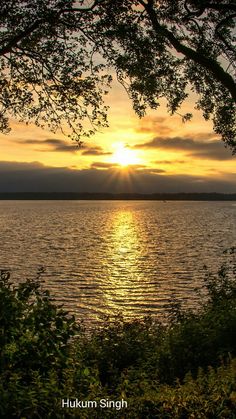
47, 74
57, 58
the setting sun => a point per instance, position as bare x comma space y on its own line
124, 156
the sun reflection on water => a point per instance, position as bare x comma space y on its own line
117, 256
124, 253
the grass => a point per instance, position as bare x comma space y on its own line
184, 369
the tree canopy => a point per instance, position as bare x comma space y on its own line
57, 57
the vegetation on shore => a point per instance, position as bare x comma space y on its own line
184, 369
101, 196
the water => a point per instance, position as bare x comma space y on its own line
104, 257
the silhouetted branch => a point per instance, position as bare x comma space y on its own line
208, 63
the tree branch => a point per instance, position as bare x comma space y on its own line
14, 41
192, 13
35, 25
220, 36
83, 9
208, 63
207, 5
225, 7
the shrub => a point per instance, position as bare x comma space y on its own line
35, 348
161, 370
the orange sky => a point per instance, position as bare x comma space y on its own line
157, 143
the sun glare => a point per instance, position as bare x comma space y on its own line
124, 156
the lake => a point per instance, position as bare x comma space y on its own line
105, 257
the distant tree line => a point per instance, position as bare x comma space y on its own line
117, 196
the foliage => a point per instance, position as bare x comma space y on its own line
183, 369
165, 49
210, 395
46, 69
35, 345
54, 53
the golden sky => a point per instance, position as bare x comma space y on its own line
158, 145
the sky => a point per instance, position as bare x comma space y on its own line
157, 153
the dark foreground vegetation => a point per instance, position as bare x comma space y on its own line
185, 369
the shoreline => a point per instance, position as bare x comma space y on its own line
54, 196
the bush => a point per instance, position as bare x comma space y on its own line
35, 347
211, 395
161, 370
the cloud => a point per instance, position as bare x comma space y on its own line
156, 171
103, 165
94, 151
212, 150
107, 165
203, 136
54, 143
150, 124
35, 177
169, 161
86, 150
66, 146
62, 146
149, 170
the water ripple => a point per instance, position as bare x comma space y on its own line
124, 256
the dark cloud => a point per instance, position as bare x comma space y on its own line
169, 161
155, 171
203, 136
220, 153
147, 170
103, 165
94, 151
28, 141
67, 146
60, 145
34, 177
213, 150
54, 143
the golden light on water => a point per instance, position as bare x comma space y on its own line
124, 251
124, 234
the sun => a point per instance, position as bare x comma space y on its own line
124, 156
